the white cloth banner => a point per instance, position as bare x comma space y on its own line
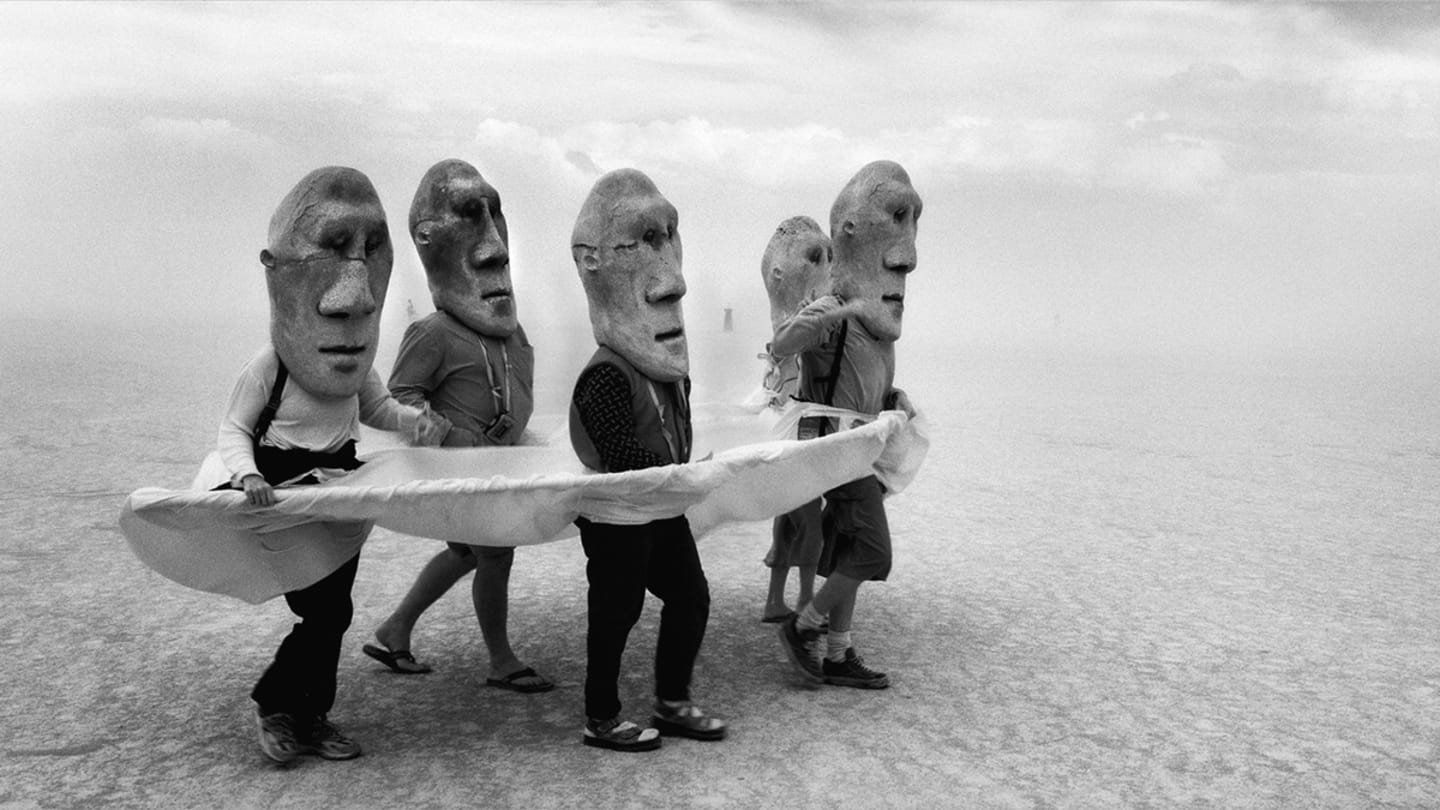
497, 496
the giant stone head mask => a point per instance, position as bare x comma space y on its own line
463, 241
326, 268
796, 266
873, 224
626, 246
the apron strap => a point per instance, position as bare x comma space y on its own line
267, 415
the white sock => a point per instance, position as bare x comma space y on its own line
836, 644
810, 618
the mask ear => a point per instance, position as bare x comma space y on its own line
848, 228
586, 257
423, 233
775, 272
268, 259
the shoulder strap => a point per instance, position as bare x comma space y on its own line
267, 415
834, 376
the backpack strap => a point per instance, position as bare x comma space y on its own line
267, 415
834, 376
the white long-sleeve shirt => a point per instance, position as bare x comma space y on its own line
303, 421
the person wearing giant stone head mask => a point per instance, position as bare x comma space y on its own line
796, 270
630, 410
846, 342
471, 363
294, 419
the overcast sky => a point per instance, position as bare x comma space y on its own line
1191, 175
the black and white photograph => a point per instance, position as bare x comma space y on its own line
701, 404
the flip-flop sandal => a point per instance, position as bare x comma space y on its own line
512, 682
687, 721
396, 660
618, 735
824, 626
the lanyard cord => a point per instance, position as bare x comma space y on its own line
500, 393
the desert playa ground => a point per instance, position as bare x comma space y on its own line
1117, 584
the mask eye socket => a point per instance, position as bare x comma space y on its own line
813, 256
655, 237
334, 242
901, 214
471, 209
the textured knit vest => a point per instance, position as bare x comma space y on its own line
648, 428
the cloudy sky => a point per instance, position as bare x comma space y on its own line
1227, 177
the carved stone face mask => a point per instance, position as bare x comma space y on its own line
873, 225
326, 269
796, 266
626, 246
463, 243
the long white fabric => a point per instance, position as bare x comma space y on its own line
504, 496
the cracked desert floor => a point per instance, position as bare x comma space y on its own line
1119, 582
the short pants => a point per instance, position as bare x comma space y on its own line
795, 538
470, 552
857, 535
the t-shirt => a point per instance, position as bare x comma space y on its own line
467, 377
867, 368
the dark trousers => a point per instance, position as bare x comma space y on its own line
301, 679
623, 563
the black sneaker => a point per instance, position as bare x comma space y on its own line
325, 741
278, 737
802, 646
853, 672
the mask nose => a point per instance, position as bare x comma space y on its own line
900, 257
349, 296
489, 252
668, 285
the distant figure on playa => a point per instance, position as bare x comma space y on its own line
294, 418
630, 410
796, 270
471, 363
846, 342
